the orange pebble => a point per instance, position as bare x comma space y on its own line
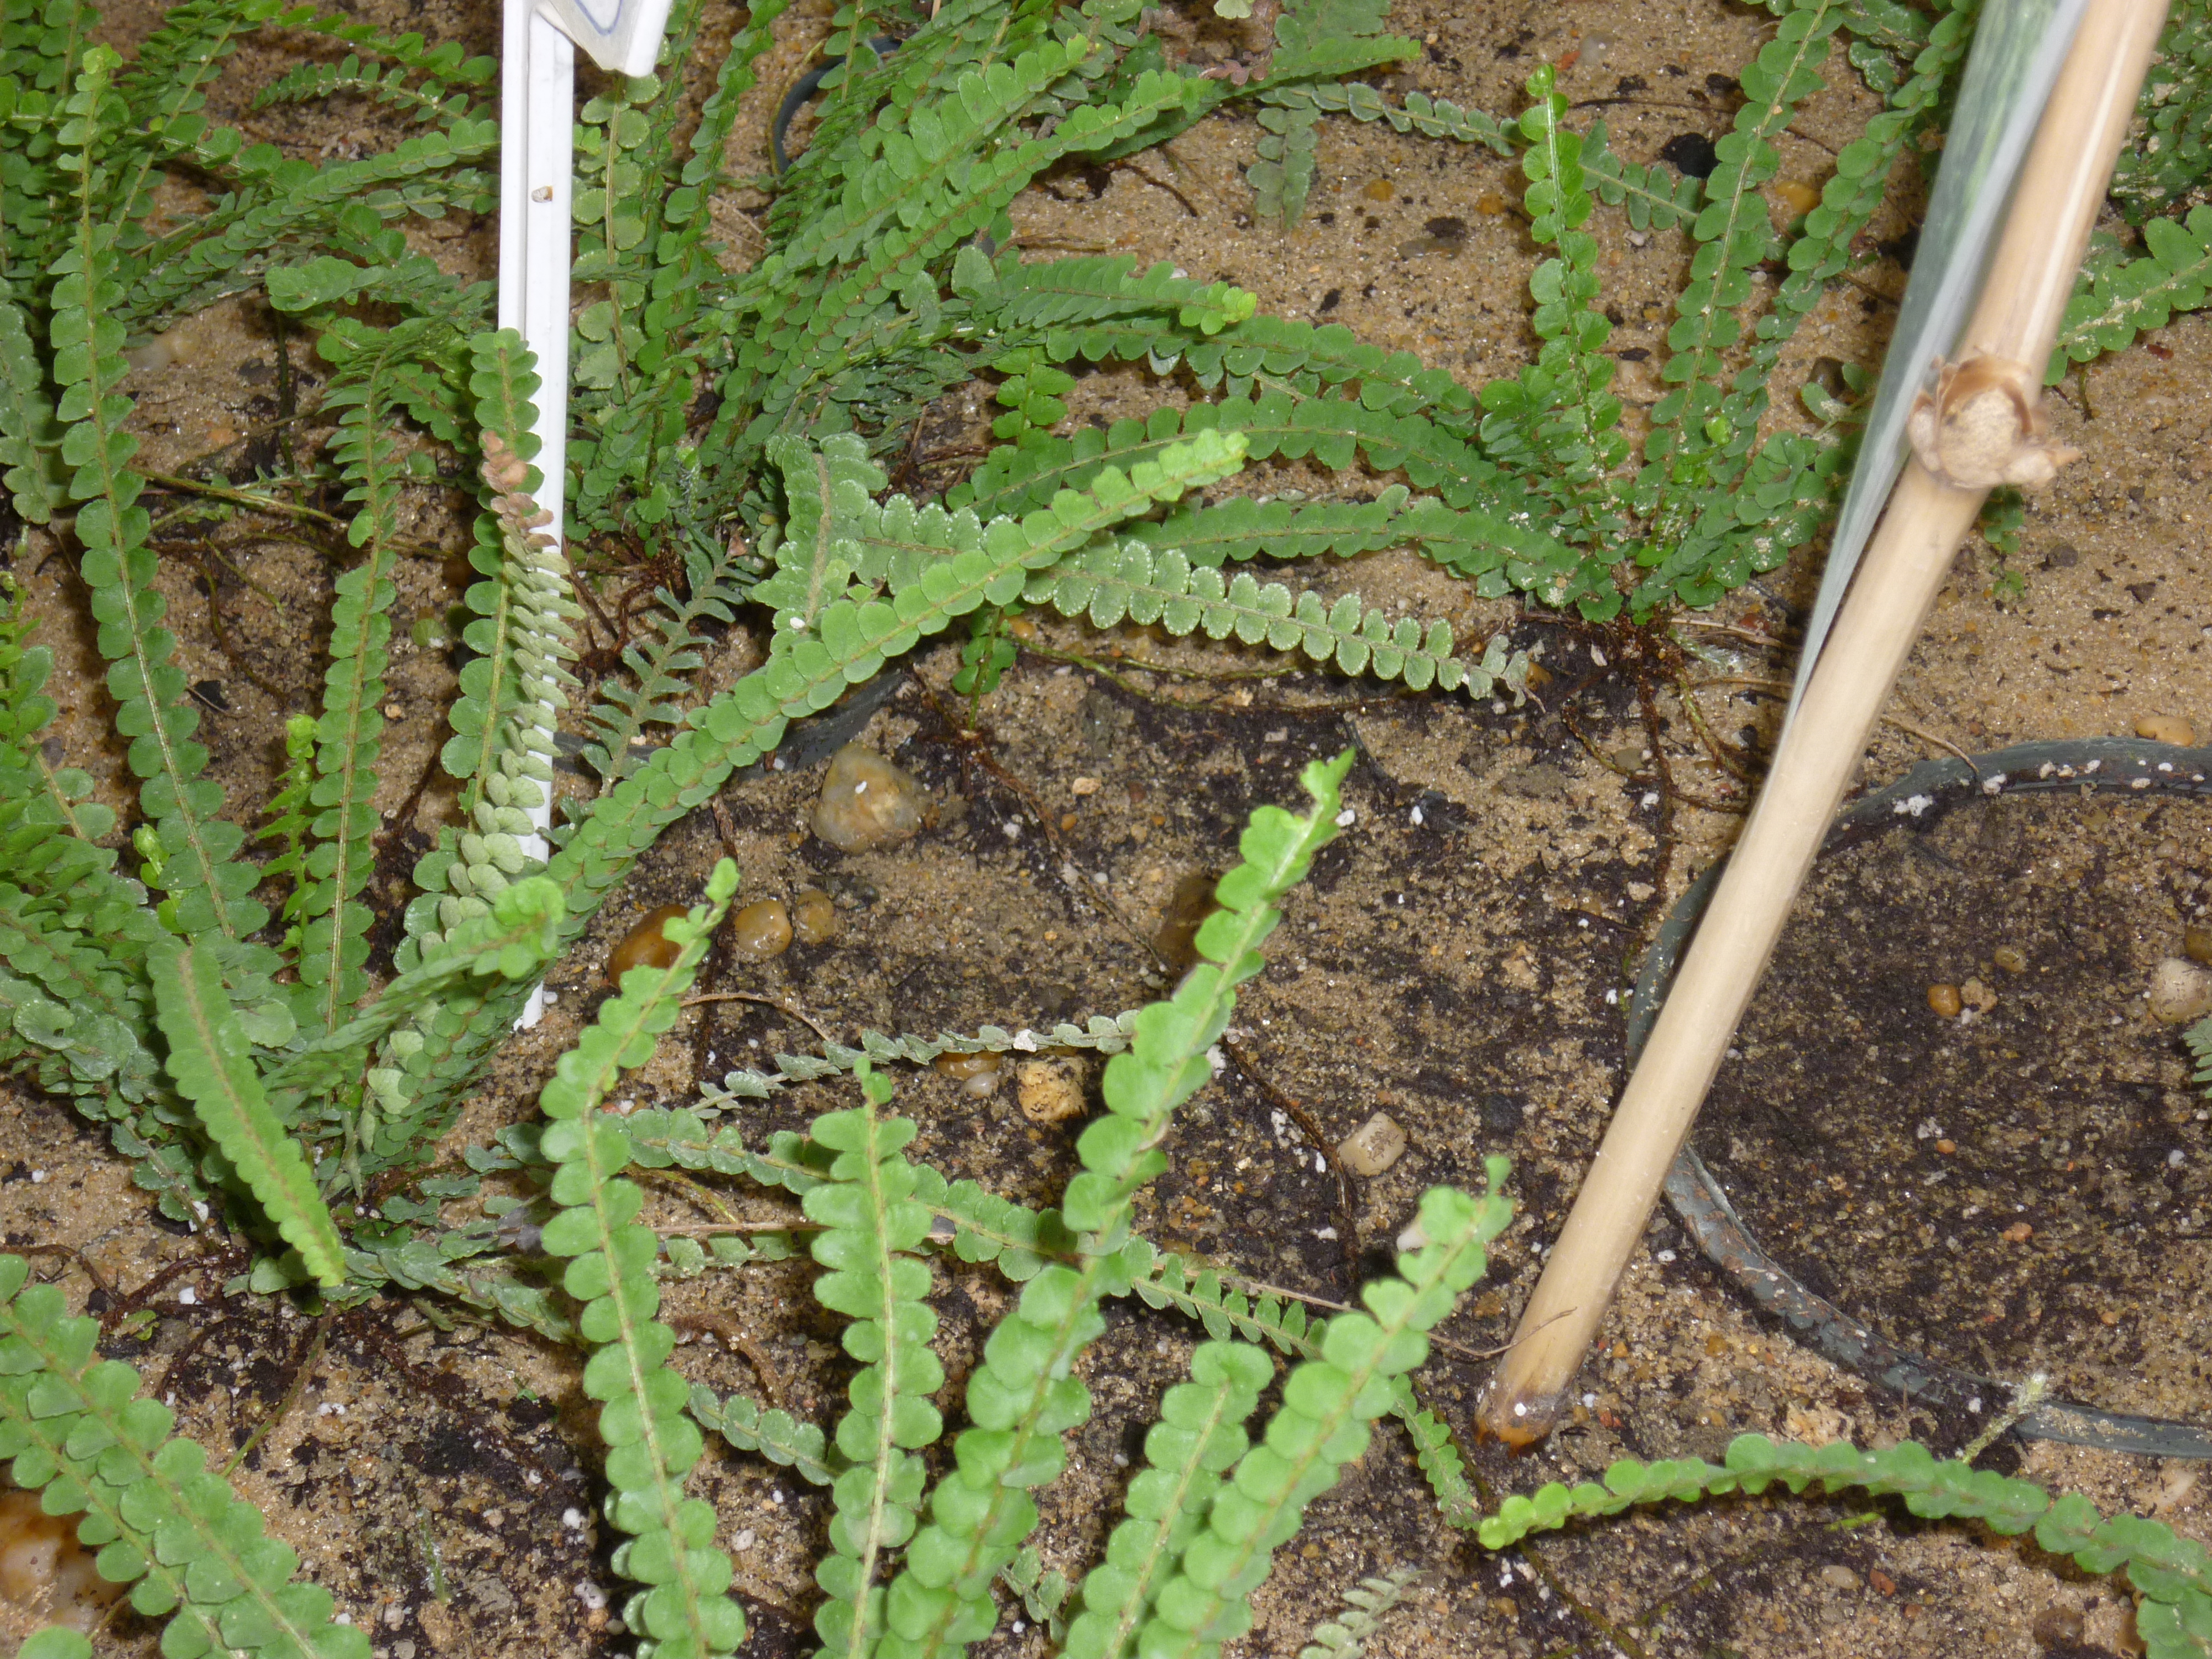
644, 946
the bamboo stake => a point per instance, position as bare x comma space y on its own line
2061, 186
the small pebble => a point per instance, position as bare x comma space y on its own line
1803, 198
1946, 1000
1049, 1091
1084, 786
1373, 1148
978, 1075
813, 917
1978, 996
644, 946
1947, 1147
1839, 1577
2166, 728
762, 930
1187, 907
2197, 943
45, 1571
2180, 991
2010, 957
868, 802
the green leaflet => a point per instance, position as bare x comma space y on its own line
212, 1061
1366, 1605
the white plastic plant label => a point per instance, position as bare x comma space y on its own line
621, 36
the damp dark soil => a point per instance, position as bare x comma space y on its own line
1458, 961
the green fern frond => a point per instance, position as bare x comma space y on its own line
30, 442
1320, 1425
1199, 1436
1132, 582
870, 1227
1555, 424
193, 1550
1432, 118
775, 1433
2172, 1575
828, 493
1022, 1398
652, 1442
212, 1061
659, 669
1282, 174
1055, 292
209, 887
2119, 299
511, 694
1346, 1636
1653, 202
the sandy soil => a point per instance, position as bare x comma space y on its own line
1457, 961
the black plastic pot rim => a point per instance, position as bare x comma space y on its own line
2094, 765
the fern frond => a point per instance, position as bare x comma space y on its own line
775, 1433
334, 932
191, 1546
1731, 228
657, 668
2172, 1575
1102, 1034
212, 1062
652, 1442
803, 337
1087, 289
1653, 200
1346, 1636
512, 694
513, 939
1282, 175
1320, 1425
1200, 1436
209, 887
852, 644
871, 1228
829, 494
1022, 1398
1132, 582
2118, 300
280, 207
1555, 424
1432, 118
30, 442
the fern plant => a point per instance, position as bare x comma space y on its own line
262, 1067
